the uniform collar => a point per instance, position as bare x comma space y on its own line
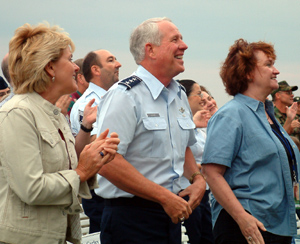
155, 86
95, 88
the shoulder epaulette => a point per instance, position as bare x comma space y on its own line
183, 88
130, 81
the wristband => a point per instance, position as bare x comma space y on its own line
86, 129
191, 180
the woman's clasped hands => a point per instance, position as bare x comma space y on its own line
96, 154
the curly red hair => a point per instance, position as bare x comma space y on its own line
240, 63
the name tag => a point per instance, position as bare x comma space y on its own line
153, 115
80, 116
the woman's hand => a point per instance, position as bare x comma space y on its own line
91, 161
201, 118
250, 226
63, 103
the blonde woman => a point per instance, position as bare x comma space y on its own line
40, 176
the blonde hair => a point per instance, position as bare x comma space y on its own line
30, 50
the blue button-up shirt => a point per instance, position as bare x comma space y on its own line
155, 127
76, 115
240, 137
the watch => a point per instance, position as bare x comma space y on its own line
86, 129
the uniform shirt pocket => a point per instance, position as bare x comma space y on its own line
187, 126
155, 123
154, 137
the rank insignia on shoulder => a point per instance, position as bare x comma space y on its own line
130, 81
182, 87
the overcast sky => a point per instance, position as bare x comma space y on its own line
208, 27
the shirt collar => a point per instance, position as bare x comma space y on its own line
97, 89
249, 102
45, 105
155, 86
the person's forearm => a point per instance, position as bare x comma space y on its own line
287, 126
222, 192
123, 175
82, 139
190, 166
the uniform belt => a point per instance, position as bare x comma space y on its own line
134, 202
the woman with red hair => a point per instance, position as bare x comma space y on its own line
249, 161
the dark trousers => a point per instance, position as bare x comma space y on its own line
93, 208
137, 221
199, 224
227, 231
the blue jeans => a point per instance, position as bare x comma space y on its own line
227, 231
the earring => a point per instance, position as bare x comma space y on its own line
53, 78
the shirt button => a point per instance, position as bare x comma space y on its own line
56, 112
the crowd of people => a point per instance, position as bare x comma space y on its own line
148, 153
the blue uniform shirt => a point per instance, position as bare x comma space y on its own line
240, 137
197, 150
93, 91
155, 127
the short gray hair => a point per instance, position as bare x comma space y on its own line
146, 32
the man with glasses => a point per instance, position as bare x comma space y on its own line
285, 108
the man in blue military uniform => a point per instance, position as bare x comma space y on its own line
151, 114
101, 69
